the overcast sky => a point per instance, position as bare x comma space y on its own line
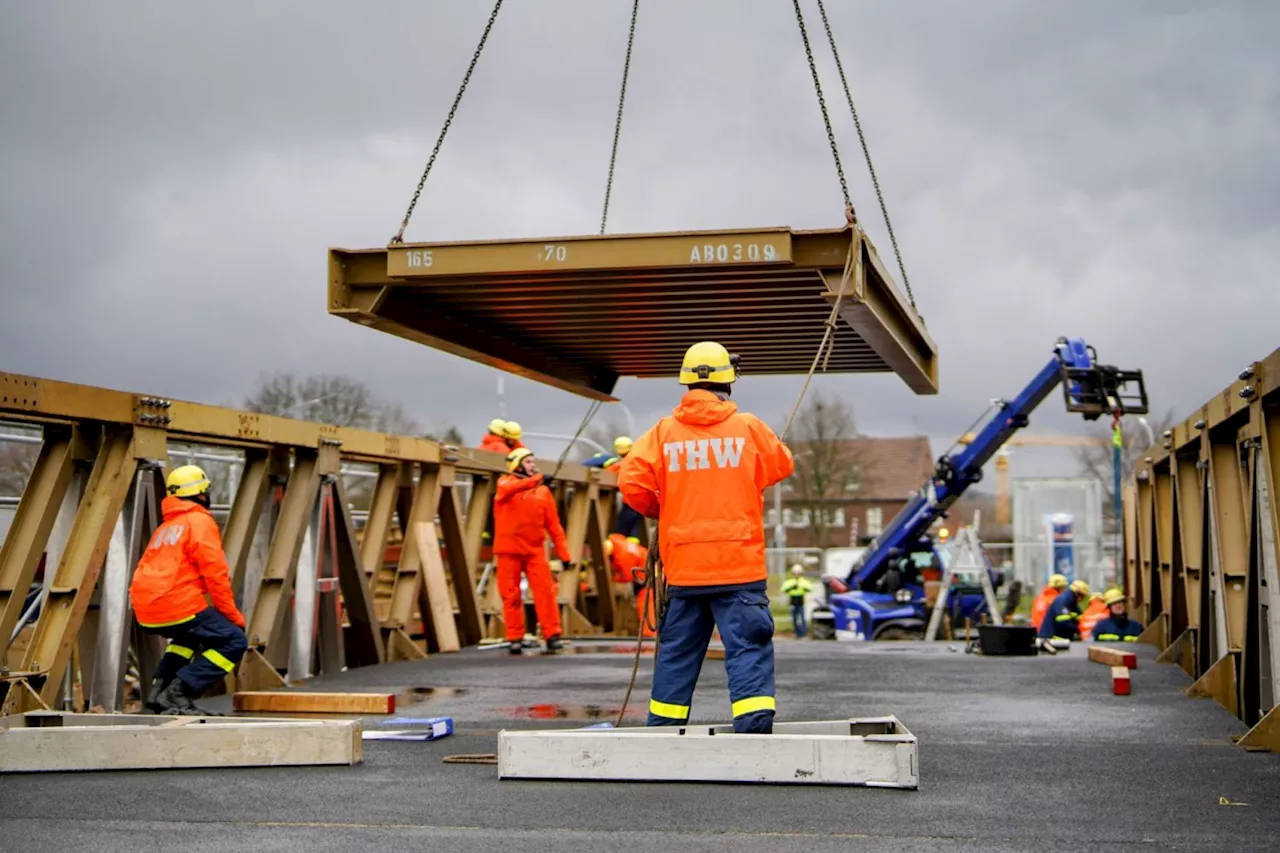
173, 174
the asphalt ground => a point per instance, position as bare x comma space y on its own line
1016, 754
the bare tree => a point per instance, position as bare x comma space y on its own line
827, 463
1096, 461
328, 398
449, 434
16, 464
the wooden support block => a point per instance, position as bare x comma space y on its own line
43, 742
714, 653
1120, 681
1265, 734
1113, 657
874, 752
314, 703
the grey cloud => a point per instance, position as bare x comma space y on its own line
173, 176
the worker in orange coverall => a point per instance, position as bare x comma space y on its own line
524, 513
183, 564
1039, 607
627, 555
496, 438
702, 472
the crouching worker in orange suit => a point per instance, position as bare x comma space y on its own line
702, 472
524, 513
625, 556
183, 563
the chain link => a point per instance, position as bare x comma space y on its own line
822, 104
493, 16
866, 152
617, 125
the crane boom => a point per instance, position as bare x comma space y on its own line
1089, 389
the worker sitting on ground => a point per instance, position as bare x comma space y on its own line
524, 513
183, 563
1062, 620
795, 588
1117, 626
511, 432
627, 558
1057, 583
702, 472
603, 459
496, 439
1093, 613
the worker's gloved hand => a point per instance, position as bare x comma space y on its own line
547, 480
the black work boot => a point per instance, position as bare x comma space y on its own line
554, 644
173, 700
152, 703
515, 647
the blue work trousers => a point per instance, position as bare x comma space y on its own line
746, 627
201, 651
797, 617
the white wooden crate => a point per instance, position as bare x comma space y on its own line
50, 741
874, 751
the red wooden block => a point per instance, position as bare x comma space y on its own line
1120, 680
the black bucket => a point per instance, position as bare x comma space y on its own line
1007, 639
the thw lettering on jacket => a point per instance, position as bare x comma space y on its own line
699, 453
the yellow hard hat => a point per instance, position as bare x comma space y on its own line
797, 569
1058, 581
1080, 587
943, 533
515, 457
622, 445
1115, 595
498, 426
1095, 596
708, 361
186, 481
511, 429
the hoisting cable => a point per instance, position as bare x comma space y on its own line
822, 104
617, 125
866, 152
399, 238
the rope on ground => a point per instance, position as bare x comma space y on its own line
472, 758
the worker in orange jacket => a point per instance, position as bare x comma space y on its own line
1039, 607
511, 431
1093, 614
702, 472
496, 438
183, 564
627, 555
524, 513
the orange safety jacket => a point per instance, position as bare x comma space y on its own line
183, 564
702, 472
1093, 614
524, 512
494, 442
627, 555
1040, 606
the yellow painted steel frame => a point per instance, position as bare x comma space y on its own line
1202, 550
100, 437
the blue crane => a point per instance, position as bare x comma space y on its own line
864, 606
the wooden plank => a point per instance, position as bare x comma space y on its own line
1119, 681
314, 703
437, 588
877, 752
1113, 657
120, 743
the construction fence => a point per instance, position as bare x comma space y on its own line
346, 547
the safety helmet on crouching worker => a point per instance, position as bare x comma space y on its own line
1058, 581
516, 457
797, 569
1080, 588
498, 426
622, 445
1113, 596
187, 481
708, 361
512, 430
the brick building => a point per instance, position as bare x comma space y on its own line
883, 473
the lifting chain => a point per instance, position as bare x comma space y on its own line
866, 152
493, 16
617, 125
822, 104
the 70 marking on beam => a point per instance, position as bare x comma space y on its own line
553, 253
